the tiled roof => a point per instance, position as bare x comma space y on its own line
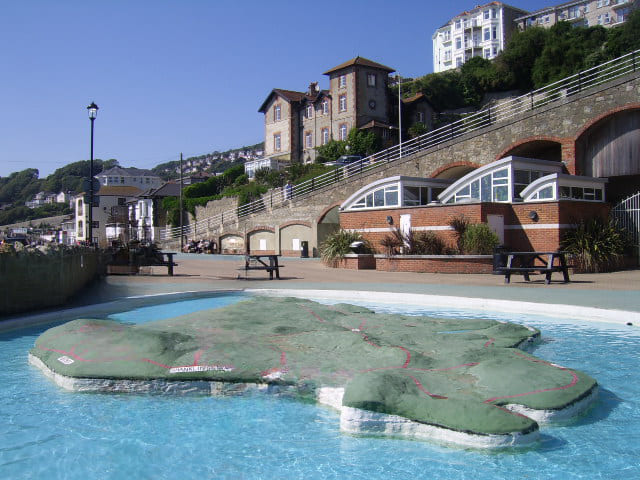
126, 172
124, 191
360, 61
289, 95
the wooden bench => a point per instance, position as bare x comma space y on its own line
259, 262
528, 263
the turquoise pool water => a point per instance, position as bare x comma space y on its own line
46, 432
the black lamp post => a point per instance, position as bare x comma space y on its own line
93, 113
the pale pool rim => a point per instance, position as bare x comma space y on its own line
620, 318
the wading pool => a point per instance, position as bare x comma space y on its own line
47, 432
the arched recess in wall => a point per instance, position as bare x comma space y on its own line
232, 243
262, 240
610, 147
291, 237
543, 149
328, 222
454, 172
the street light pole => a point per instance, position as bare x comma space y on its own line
400, 114
93, 113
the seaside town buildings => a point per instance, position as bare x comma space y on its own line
483, 31
585, 13
117, 187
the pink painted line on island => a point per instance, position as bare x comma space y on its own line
424, 390
489, 343
573, 382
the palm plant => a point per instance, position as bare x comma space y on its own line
338, 244
596, 245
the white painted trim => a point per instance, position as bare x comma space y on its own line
539, 226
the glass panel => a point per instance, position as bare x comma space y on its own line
546, 192
391, 198
378, 198
521, 176
370, 200
576, 192
463, 192
485, 188
598, 194
504, 173
435, 192
500, 194
588, 194
565, 192
535, 175
475, 189
424, 195
411, 196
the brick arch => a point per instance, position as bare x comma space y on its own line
605, 116
295, 222
545, 147
463, 164
607, 145
326, 210
261, 228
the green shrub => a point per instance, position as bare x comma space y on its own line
596, 245
426, 243
338, 244
478, 239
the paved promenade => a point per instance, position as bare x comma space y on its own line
618, 290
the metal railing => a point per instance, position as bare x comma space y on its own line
627, 215
507, 110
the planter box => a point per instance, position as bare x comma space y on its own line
122, 269
362, 261
435, 263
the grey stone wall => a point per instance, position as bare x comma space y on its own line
30, 281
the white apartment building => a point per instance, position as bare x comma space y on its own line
584, 13
483, 31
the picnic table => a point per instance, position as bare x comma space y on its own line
528, 263
268, 262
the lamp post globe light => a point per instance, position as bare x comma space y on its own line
93, 113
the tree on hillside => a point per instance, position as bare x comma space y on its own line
565, 52
20, 186
624, 38
478, 77
515, 63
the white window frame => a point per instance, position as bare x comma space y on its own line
325, 107
277, 142
371, 79
343, 131
342, 100
277, 113
342, 81
325, 136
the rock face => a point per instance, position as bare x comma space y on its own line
462, 381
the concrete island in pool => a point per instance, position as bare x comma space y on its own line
460, 381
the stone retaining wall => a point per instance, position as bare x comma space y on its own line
30, 281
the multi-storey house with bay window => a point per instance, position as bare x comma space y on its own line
481, 32
298, 122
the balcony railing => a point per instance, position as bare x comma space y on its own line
504, 112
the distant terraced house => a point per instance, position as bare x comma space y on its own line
117, 187
358, 97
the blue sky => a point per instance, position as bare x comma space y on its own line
183, 76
